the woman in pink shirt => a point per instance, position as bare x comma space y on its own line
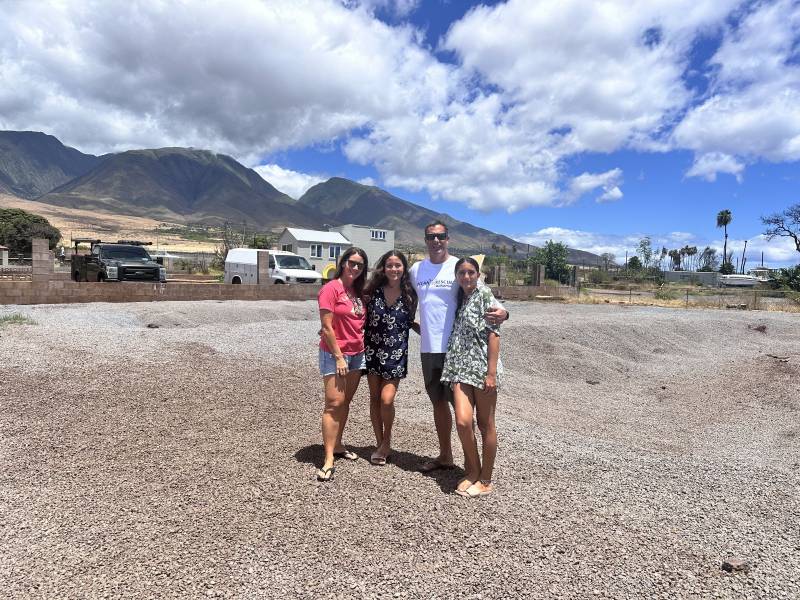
341, 351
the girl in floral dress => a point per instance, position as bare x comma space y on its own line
391, 305
473, 368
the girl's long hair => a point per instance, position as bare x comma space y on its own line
378, 280
358, 282
460, 262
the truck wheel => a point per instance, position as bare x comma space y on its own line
279, 282
236, 281
101, 278
76, 276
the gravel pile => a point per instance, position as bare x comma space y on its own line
169, 450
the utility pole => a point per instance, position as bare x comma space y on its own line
743, 251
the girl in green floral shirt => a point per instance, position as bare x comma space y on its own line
473, 368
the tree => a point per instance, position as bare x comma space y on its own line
708, 259
675, 256
691, 252
724, 218
553, 255
784, 224
634, 264
788, 278
645, 251
608, 259
18, 227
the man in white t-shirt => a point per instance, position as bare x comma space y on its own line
434, 279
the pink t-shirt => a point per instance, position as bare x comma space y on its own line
349, 317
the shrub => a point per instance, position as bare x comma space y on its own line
789, 278
598, 277
665, 293
15, 319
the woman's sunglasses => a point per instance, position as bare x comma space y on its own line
355, 265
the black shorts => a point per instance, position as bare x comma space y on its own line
432, 365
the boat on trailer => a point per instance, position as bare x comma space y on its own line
737, 280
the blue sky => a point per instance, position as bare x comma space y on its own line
590, 123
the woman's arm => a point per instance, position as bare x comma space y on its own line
326, 318
490, 384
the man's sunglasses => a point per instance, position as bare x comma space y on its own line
429, 237
355, 265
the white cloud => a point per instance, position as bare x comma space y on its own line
246, 79
611, 195
289, 182
588, 182
529, 89
753, 110
398, 8
367, 181
708, 165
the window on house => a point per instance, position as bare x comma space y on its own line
377, 234
316, 250
334, 252
286, 248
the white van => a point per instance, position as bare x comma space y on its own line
241, 266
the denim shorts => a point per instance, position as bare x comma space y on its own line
327, 362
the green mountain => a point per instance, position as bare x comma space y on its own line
181, 184
346, 201
33, 163
190, 185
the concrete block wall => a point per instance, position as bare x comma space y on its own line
68, 292
42, 260
262, 267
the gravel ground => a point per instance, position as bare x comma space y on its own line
639, 448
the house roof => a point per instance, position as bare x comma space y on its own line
3, 248
311, 235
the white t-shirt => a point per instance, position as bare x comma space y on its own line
438, 300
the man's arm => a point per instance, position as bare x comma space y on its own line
496, 313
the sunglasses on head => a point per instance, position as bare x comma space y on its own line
354, 264
435, 236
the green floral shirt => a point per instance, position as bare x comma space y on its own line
467, 359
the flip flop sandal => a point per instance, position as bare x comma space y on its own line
348, 454
326, 474
463, 492
378, 459
474, 493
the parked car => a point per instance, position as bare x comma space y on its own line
125, 260
241, 266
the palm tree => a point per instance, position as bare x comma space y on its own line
724, 217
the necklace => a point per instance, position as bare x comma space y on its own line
358, 307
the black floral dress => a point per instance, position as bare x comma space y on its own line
386, 336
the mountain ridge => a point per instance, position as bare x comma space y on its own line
32, 163
190, 185
180, 183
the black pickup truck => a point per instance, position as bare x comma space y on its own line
125, 260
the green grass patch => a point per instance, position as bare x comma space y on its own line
15, 319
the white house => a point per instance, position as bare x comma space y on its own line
3, 256
323, 248
373, 240
320, 248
